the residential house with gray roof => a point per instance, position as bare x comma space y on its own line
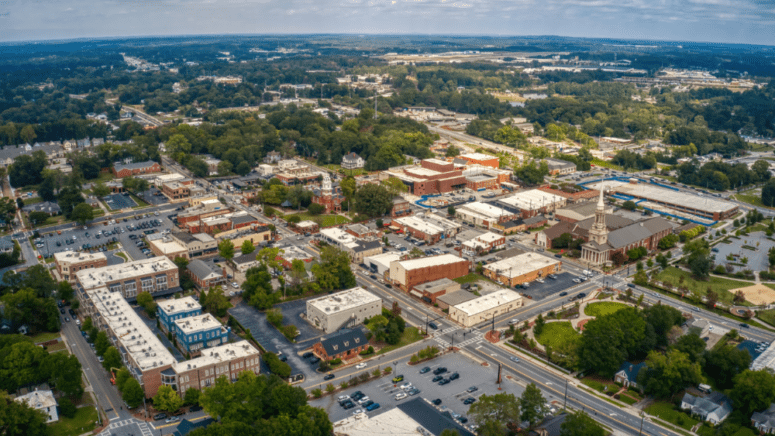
713, 408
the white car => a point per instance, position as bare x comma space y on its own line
364, 400
357, 411
235, 285
400, 396
406, 386
344, 397
360, 365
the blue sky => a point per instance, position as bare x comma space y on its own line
733, 21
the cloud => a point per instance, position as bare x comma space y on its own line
748, 21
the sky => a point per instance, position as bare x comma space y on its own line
728, 21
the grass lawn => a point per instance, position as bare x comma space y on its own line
600, 309
410, 336
627, 400
322, 220
84, 421
750, 199
33, 200
718, 285
45, 337
601, 163
557, 333
140, 202
122, 255
667, 412
767, 316
599, 385
59, 346
472, 278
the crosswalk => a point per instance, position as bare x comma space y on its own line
470, 338
145, 429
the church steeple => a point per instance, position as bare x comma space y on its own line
599, 231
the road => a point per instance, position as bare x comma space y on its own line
464, 137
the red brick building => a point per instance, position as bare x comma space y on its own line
481, 159
406, 274
345, 344
121, 170
326, 197
482, 181
433, 176
401, 208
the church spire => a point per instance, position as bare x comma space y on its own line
599, 231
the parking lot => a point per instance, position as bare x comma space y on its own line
539, 291
757, 259
154, 197
119, 201
384, 391
95, 237
292, 311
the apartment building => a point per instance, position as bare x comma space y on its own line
168, 311
227, 360
156, 275
200, 331
70, 262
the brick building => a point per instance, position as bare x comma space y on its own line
121, 170
167, 246
522, 268
69, 262
406, 274
180, 189
156, 275
226, 360
400, 208
345, 344
483, 244
432, 290
481, 181
206, 275
433, 176
427, 227
481, 159
326, 197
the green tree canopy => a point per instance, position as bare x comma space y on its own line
581, 424
167, 399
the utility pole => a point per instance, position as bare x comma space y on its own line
642, 416
565, 404
375, 102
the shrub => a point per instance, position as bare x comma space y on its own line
330, 388
317, 393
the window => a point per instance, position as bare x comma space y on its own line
147, 284
336, 347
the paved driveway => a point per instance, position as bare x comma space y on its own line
757, 259
539, 291
292, 312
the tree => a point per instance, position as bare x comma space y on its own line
753, 391
450, 432
112, 359
145, 300
19, 419
132, 393
191, 397
67, 408
65, 291
27, 134
666, 374
580, 424
47, 188
100, 190
178, 147
452, 151
532, 174
101, 343
64, 372
247, 247
215, 302
69, 197
348, 187
609, 340
692, 345
224, 168
373, 200
167, 399
768, 193
122, 376
495, 412
226, 249
82, 213
276, 366
668, 242
197, 166
316, 209
333, 272
722, 364
629, 205
532, 405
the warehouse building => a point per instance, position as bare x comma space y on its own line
701, 206
454, 298
484, 214
344, 309
432, 290
381, 262
427, 227
520, 269
533, 202
406, 274
485, 308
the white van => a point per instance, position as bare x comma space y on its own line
588, 273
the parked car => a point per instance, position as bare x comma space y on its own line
328, 377
398, 378
454, 376
361, 365
364, 399
439, 370
425, 370
469, 400
436, 402
343, 398
413, 392
472, 389
437, 378
400, 396
374, 406
406, 385
172, 419
159, 416
307, 355
442, 382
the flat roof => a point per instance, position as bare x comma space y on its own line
485, 209
193, 324
394, 422
77, 256
519, 265
437, 161
648, 191
306, 224
168, 246
457, 297
343, 301
479, 178
487, 302
221, 353
383, 259
131, 331
94, 278
420, 171
419, 225
338, 235
489, 237
532, 199
444, 259
174, 306
477, 156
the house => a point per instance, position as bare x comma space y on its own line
551, 426
344, 344
245, 262
205, 275
48, 207
764, 421
628, 374
713, 408
272, 157
352, 161
43, 401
